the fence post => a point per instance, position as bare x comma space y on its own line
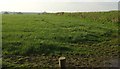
62, 62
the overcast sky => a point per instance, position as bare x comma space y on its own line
58, 5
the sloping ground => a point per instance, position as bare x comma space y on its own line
32, 40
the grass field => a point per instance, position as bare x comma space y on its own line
85, 39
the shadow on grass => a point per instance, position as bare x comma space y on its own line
89, 38
45, 49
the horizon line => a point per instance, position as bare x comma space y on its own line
57, 11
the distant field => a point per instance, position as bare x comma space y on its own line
85, 39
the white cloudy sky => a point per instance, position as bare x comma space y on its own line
58, 5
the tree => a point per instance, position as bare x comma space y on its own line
6, 12
19, 13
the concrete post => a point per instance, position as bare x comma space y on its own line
62, 62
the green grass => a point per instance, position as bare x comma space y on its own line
79, 34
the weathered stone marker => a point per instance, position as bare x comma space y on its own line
62, 62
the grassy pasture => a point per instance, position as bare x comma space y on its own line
34, 40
